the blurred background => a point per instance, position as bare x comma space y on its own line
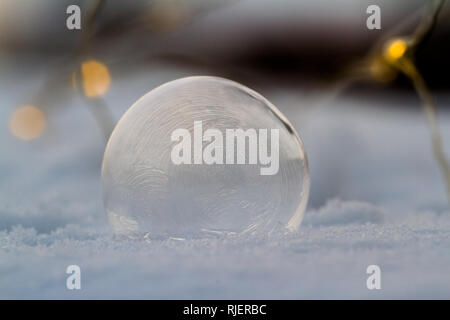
362, 122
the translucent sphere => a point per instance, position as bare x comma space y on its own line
204, 155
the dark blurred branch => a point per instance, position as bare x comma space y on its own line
432, 117
407, 66
102, 115
427, 25
97, 106
89, 27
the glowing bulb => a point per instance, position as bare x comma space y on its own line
396, 49
204, 155
95, 78
27, 123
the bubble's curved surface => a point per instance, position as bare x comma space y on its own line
145, 192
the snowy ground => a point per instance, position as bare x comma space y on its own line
376, 198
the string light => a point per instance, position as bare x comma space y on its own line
396, 55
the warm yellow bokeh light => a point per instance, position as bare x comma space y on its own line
396, 49
27, 122
95, 78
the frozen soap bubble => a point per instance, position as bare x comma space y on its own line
203, 155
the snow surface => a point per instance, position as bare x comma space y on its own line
376, 198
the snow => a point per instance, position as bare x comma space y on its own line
376, 198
